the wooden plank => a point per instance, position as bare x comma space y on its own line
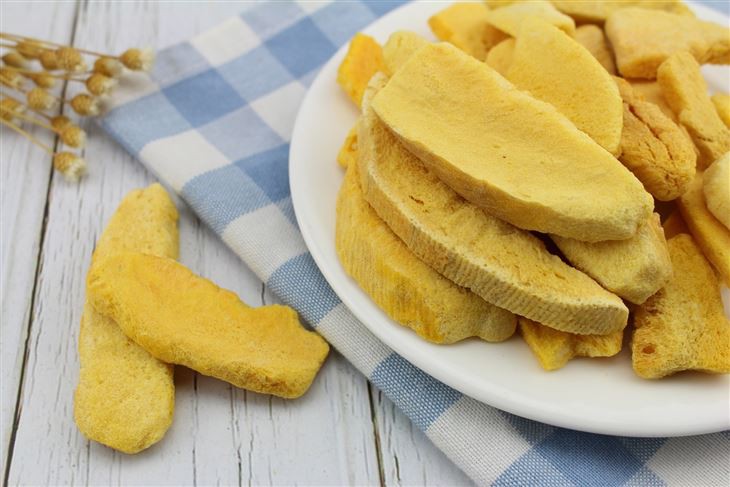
24, 179
220, 434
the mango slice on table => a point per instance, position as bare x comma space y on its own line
553, 349
509, 153
683, 326
642, 39
506, 266
363, 59
510, 17
184, 319
125, 397
464, 24
685, 91
594, 40
408, 290
716, 187
555, 68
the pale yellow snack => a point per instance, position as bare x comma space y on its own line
597, 11
674, 225
504, 265
184, 319
500, 56
409, 291
716, 188
685, 91
400, 47
683, 326
510, 17
364, 58
722, 105
507, 152
125, 397
642, 39
553, 349
464, 24
348, 151
555, 68
594, 40
634, 268
649, 90
654, 148
711, 235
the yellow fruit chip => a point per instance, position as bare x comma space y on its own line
364, 58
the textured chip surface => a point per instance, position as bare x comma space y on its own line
510, 17
364, 58
722, 105
683, 326
500, 56
716, 187
464, 24
594, 40
399, 48
185, 319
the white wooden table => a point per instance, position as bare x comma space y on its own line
343, 432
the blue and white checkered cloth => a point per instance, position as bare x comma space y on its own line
214, 123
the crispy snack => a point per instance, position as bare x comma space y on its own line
642, 39
649, 90
597, 11
510, 17
181, 318
464, 24
683, 326
592, 38
716, 188
125, 397
555, 68
674, 225
364, 58
507, 152
400, 47
348, 151
634, 268
409, 291
685, 91
711, 235
504, 265
553, 348
722, 105
500, 56
654, 147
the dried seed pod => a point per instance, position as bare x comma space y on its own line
40, 99
29, 49
138, 59
11, 78
73, 136
99, 84
85, 105
42, 79
69, 59
10, 108
59, 122
70, 165
49, 60
108, 66
15, 59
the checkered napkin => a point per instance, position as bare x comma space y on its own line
214, 123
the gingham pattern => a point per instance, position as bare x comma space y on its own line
214, 124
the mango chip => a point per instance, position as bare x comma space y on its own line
400, 47
510, 17
716, 186
593, 39
683, 326
184, 319
642, 39
554, 348
500, 56
464, 24
555, 68
348, 151
364, 58
125, 397
597, 11
722, 105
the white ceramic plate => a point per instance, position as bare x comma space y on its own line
596, 395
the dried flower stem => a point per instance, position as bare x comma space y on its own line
66, 77
28, 136
48, 44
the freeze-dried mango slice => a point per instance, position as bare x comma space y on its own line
594, 40
125, 397
408, 290
184, 319
555, 68
510, 17
683, 326
348, 151
509, 153
553, 348
364, 58
400, 47
722, 105
716, 187
500, 56
464, 24
597, 11
642, 39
